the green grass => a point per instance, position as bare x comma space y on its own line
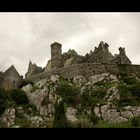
23, 123
103, 124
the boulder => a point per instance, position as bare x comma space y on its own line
71, 115
127, 114
112, 93
8, 117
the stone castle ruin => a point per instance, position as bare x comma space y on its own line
71, 64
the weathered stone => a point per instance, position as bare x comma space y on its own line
97, 111
70, 115
70, 62
136, 111
98, 77
11, 79
27, 88
8, 117
111, 115
54, 78
79, 80
127, 114
112, 93
41, 83
48, 66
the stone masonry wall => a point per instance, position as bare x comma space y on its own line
87, 70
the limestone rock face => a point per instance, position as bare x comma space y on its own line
127, 114
54, 78
111, 115
101, 77
8, 117
43, 97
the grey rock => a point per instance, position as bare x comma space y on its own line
97, 111
79, 80
71, 115
127, 114
8, 117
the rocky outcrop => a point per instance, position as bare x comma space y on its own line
79, 80
8, 117
71, 115
43, 96
103, 77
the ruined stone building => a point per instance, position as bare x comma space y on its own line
10, 79
70, 64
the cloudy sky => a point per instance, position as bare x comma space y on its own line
27, 36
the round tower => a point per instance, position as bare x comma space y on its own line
56, 56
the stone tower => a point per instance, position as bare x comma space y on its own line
56, 55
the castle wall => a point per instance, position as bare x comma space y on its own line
87, 70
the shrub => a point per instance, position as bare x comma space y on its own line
5, 101
34, 88
23, 123
135, 122
19, 96
93, 96
129, 95
60, 118
135, 89
68, 93
26, 82
94, 119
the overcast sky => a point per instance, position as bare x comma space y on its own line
27, 36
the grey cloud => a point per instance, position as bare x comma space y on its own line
27, 36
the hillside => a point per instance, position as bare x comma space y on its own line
104, 100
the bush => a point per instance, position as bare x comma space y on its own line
135, 122
135, 89
60, 118
93, 96
94, 119
34, 88
68, 93
26, 82
19, 96
129, 95
5, 101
